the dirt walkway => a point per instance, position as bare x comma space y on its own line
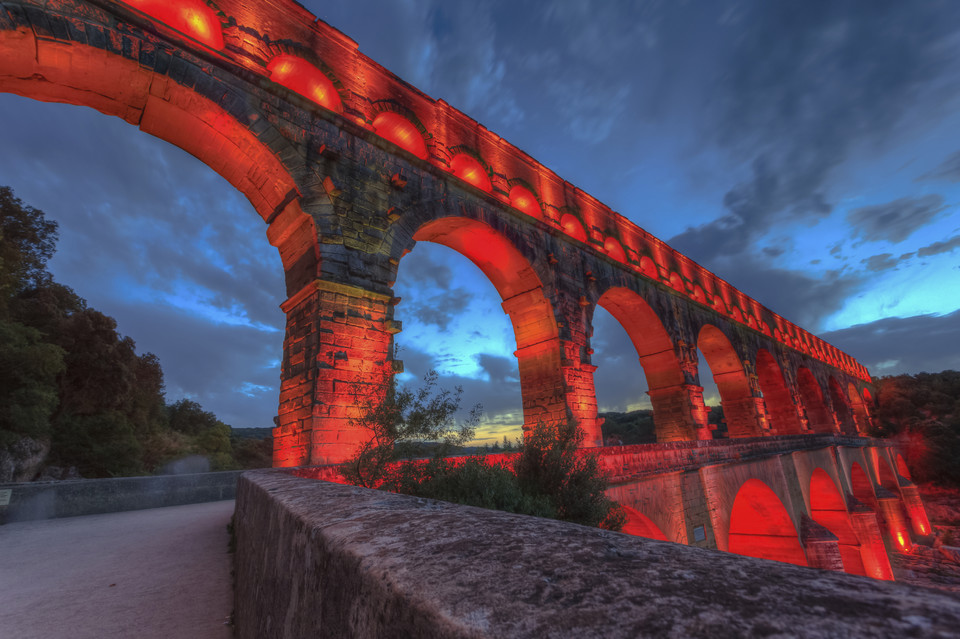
158, 573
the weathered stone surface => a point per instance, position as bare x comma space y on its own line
324, 560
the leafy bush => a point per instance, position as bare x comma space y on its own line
549, 477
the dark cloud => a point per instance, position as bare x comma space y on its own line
421, 267
439, 310
948, 170
940, 247
898, 345
881, 262
896, 220
804, 84
500, 396
233, 371
799, 297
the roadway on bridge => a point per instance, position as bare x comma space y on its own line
158, 573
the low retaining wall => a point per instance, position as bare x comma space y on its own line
51, 499
316, 559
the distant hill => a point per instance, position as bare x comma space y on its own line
251, 433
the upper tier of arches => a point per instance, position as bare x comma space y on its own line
292, 51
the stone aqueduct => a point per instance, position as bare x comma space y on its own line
349, 167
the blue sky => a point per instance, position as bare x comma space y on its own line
805, 152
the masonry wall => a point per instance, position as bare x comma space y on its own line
324, 560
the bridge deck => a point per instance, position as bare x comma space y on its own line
158, 573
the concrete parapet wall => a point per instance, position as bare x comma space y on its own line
316, 559
51, 499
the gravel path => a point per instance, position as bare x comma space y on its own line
163, 572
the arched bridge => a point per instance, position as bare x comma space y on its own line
349, 167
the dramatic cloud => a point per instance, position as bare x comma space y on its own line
884, 261
948, 170
806, 84
894, 221
903, 344
940, 247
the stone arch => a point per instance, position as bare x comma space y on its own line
736, 396
84, 75
828, 509
886, 475
818, 417
861, 414
665, 380
841, 408
535, 328
863, 488
902, 467
640, 525
760, 526
776, 396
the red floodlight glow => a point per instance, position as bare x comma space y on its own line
522, 199
468, 168
401, 131
192, 17
302, 77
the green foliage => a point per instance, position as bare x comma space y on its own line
550, 465
27, 241
401, 422
28, 390
549, 477
471, 481
67, 375
924, 412
635, 427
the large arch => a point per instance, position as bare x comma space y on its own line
841, 408
739, 405
665, 381
760, 526
85, 75
828, 509
818, 417
538, 347
776, 396
640, 525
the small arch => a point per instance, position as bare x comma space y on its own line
739, 408
640, 525
902, 467
612, 247
649, 268
776, 396
886, 475
190, 17
828, 509
302, 77
761, 527
573, 227
469, 169
862, 488
523, 199
818, 417
841, 408
861, 415
400, 130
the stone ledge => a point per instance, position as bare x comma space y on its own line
72, 498
316, 559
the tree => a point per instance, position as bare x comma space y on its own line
402, 424
27, 242
28, 388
